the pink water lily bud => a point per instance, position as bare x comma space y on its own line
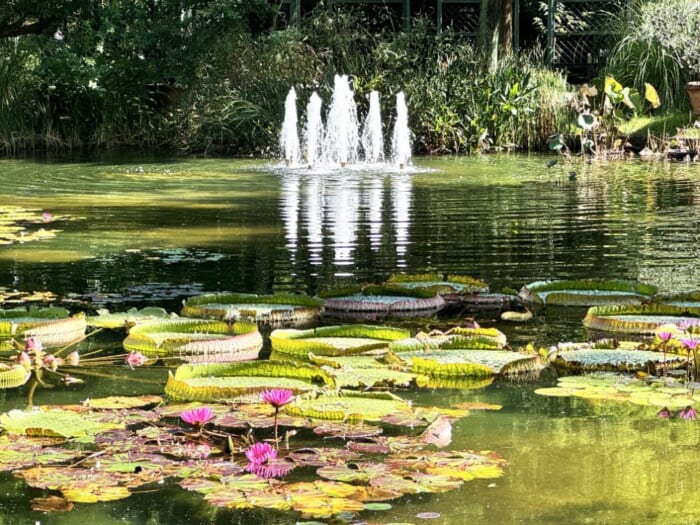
33, 344
688, 413
49, 361
24, 360
73, 359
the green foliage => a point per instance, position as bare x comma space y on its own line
211, 77
659, 45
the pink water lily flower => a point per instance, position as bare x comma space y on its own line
689, 344
665, 413
688, 413
665, 336
135, 359
261, 453
277, 397
197, 417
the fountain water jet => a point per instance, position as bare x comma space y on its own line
372, 138
401, 140
341, 142
289, 139
313, 130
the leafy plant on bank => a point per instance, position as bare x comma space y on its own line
659, 44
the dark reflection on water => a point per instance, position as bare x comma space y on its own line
159, 231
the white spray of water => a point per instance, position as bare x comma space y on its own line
313, 130
372, 138
289, 139
341, 143
401, 139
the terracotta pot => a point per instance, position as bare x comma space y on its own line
693, 89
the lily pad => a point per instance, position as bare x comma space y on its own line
435, 283
196, 340
277, 310
53, 326
206, 382
122, 320
348, 405
471, 363
53, 423
587, 292
383, 301
640, 319
332, 340
621, 388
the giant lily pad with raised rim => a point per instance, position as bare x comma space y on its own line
457, 337
207, 382
349, 405
624, 356
276, 310
383, 301
638, 319
460, 363
336, 340
53, 326
688, 299
123, 320
435, 283
587, 292
195, 340
366, 372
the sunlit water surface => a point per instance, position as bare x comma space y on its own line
159, 230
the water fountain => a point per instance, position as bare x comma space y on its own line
341, 142
313, 130
372, 139
289, 139
401, 140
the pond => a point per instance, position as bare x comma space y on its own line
154, 231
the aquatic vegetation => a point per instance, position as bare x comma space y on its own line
608, 386
332, 340
440, 284
587, 292
212, 381
195, 340
53, 326
626, 356
374, 302
197, 417
637, 319
465, 362
136, 447
122, 320
276, 310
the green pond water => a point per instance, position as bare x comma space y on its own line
152, 232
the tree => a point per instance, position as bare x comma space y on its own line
495, 35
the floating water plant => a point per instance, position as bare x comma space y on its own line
367, 371
456, 337
277, 310
623, 356
132, 448
53, 326
461, 363
638, 319
623, 389
382, 301
210, 382
332, 340
195, 340
587, 292
440, 284
20, 225
122, 320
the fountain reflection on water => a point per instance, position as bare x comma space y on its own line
340, 142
